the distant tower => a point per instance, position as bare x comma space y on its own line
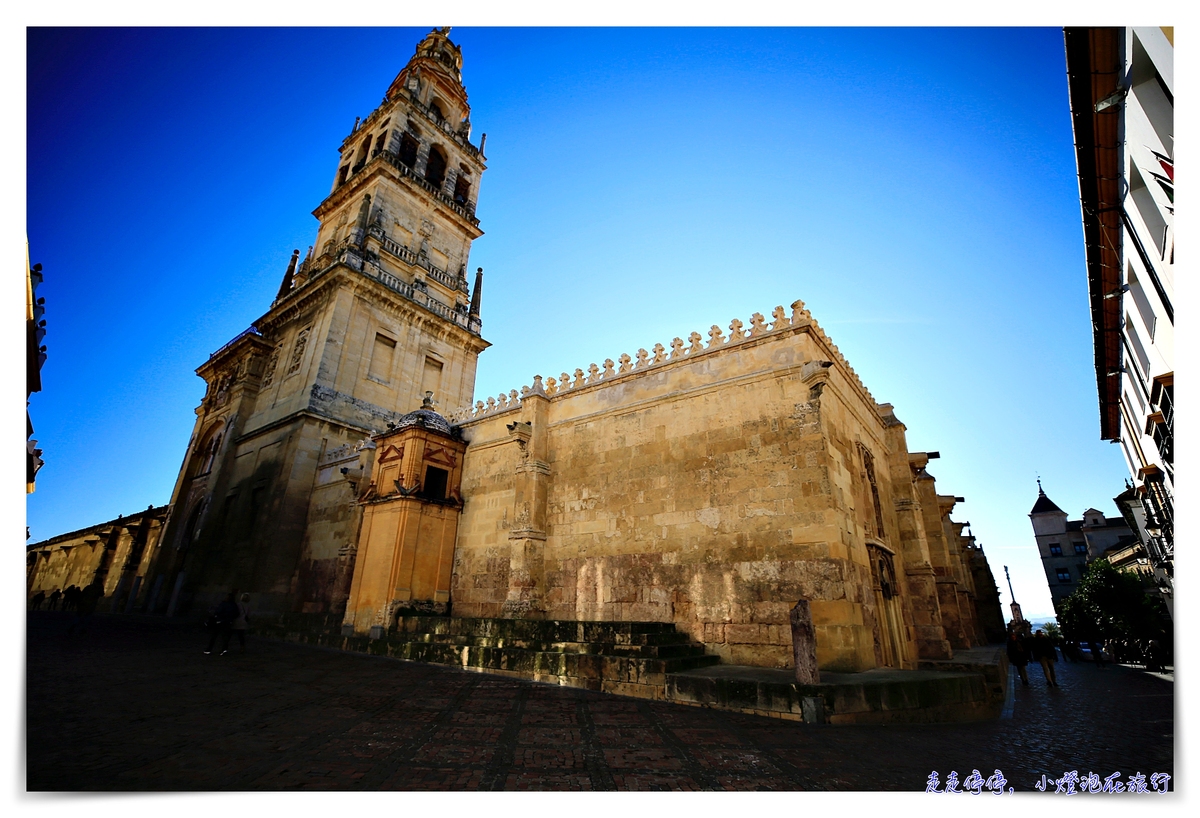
378, 313
1055, 547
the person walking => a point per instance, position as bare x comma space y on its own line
1154, 662
54, 597
242, 620
85, 604
222, 624
1097, 653
1017, 656
37, 600
1043, 652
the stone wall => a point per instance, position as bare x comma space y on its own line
116, 554
712, 486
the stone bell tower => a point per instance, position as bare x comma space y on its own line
377, 314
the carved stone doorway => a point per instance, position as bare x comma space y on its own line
887, 605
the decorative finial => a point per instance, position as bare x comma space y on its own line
477, 293
286, 284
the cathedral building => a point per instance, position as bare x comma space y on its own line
341, 466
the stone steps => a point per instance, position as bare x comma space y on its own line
628, 658
652, 660
545, 630
681, 649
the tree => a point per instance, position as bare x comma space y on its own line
1111, 605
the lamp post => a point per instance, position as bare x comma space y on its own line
1018, 622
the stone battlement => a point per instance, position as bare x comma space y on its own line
680, 350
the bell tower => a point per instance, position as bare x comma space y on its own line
378, 313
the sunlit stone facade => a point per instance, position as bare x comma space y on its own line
341, 464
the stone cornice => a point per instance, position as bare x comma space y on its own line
381, 166
413, 313
232, 351
300, 300
292, 417
158, 512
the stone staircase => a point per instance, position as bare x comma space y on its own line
627, 658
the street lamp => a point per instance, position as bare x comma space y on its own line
1018, 622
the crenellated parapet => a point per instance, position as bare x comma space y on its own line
679, 349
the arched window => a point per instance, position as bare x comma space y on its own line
192, 528
435, 168
436, 110
462, 189
873, 490
363, 155
408, 150
206, 450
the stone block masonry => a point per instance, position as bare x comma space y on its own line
708, 483
709, 486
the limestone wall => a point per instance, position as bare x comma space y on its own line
117, 554
713, 489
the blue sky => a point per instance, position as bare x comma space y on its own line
915, 187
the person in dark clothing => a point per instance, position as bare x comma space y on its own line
1042, 650
70, 598
222, 623
1017, 656
1097, 653
37, 600
1153, 655
54, 597
85, 604
242, 622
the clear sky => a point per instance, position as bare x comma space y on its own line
915, 187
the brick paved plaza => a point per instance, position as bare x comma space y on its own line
135, 705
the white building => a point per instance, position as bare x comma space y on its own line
1122, 109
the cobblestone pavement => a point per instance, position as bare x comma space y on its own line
135, 705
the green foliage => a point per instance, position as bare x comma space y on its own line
1112, 605
1053, 631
